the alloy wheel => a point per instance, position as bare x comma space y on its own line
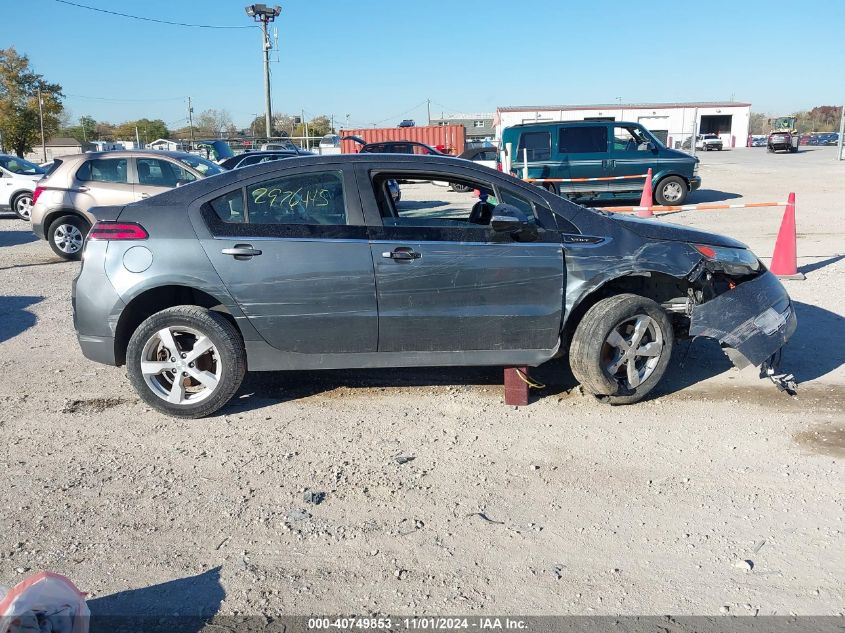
632, 350
181, 365
23, 207
672, 192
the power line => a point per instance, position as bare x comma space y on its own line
138, 17
118, 99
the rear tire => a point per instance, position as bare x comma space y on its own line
219, 370
601, 367
672, 190
67, 236
22, 205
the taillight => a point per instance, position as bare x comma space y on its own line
35, 194
499, 166
104, 230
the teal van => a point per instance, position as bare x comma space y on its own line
591, 149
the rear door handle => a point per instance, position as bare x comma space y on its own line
403, 253
241, 251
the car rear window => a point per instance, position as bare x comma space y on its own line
310, 198
103, 170
537, 144
583, 139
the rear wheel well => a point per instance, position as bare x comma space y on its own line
659, 287
55, 215
155, 300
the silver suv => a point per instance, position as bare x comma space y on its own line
62, 202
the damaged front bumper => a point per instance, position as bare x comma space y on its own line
752, 321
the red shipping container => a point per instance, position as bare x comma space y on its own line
452, 137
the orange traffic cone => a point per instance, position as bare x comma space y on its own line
785, 258
646, 199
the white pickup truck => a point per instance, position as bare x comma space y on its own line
708, 142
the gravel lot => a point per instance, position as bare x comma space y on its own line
566, 506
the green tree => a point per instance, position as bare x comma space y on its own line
85, 131
212, 122
758, 123
19, 116
148, 130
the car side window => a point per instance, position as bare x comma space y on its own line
428, 201
156, 172
103, 170
538, 144
628, 139
230, 207
588, 139
311, 198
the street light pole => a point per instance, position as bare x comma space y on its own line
264, 14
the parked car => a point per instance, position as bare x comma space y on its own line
486, 156
399, 147
709, 142
407, 123
591, 149
279, 145
330, 141
254, 158
63, 199
196, 286
828, 138
759, 140
17, 182
215, 150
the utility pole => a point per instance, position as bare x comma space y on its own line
332, 124
137, 138
41, 117
84, 135
428, 105
839, 155
264, 14
191, 121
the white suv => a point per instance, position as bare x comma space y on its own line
17, 182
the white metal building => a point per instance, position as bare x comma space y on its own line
670, 122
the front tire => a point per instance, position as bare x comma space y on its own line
22, 205
672, 190
67, 236
186, 361
621, 348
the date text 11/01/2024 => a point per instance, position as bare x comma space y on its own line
417, 623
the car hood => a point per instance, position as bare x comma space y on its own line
654, 230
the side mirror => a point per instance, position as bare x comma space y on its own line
508, 219
652, 146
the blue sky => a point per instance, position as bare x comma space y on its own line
379, 60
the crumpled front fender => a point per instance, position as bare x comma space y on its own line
754, 320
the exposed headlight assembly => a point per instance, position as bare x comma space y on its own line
733, 261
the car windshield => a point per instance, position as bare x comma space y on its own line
203, 166
20, 166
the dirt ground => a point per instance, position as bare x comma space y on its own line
719, 494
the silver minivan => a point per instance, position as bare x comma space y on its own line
75, 184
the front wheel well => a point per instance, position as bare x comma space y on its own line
659, 287
155, 300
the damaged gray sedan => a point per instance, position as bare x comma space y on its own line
317, 264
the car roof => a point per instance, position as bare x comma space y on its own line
568, 124
131, 153
187, 193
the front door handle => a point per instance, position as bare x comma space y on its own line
403, 253
145, 195
241, 251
